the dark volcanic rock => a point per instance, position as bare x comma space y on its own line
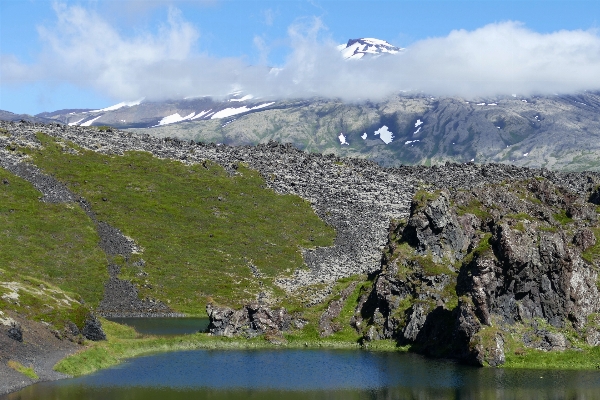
15, 332
92, 329
469, 267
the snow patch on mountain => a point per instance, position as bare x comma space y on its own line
200, 114
385, 135
228, 112
343, 139
173, 118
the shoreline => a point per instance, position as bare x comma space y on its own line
125, 343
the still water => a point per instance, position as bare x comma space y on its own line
311, 374
165, 326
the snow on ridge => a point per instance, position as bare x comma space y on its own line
120, 105
76, 122
89, 123
200, 114
228, 112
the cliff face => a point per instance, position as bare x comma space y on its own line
474, 273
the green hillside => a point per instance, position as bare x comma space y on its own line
201, 231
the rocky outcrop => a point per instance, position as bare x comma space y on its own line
249, 321
92, 329
470, 268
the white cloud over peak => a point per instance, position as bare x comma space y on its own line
502, 58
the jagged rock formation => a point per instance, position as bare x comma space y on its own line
250, 321
471, 270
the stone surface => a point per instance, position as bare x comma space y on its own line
514, 259
92, 329
15, 332
249, 321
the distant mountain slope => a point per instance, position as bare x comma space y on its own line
558, 132
9, 116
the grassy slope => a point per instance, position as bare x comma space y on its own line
200, 229
49, 258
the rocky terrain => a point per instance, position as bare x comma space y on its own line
478, 259
474, 273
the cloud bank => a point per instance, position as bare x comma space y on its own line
497, 59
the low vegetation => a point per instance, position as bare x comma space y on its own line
55, 243
202, 232
27, 371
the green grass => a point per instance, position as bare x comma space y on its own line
422, 197
562, 217
199, 227
27, 371
474, 207
55, 243
41, 301
568, 359
593, 253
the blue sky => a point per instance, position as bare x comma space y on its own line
92, 54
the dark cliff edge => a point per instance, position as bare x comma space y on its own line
473, 274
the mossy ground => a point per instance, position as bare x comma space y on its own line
201, 230
55, 243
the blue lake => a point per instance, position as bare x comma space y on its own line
312, 374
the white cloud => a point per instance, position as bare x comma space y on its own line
502, 58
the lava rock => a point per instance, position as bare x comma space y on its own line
92, 329
15, 332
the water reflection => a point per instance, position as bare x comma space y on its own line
312, 374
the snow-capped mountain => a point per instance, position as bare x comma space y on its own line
367, 47
147, 114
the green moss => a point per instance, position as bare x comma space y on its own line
429, 266
192, 221
519, 226
592, 254
474, 207
483, 247
567, 359
422, 197
562, 218
41, 301
520, 217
